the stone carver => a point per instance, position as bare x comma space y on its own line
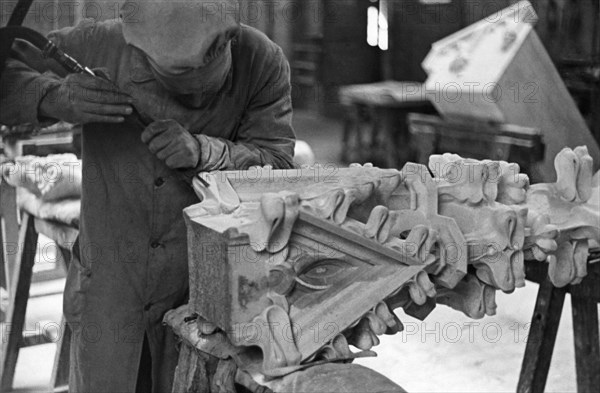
215, 95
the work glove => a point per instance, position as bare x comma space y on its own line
172, 143
82, 98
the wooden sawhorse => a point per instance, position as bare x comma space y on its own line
19, 244
544, 327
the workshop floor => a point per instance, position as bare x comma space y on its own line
447, 353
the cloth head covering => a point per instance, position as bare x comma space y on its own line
187, 42
205, 80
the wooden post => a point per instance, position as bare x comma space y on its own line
584, 298
59, 380
540, 344
19, 295
9, 224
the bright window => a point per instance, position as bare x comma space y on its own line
377, 25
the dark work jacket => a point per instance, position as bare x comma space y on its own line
133, 254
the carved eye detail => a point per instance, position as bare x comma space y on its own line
324, 273
323, 269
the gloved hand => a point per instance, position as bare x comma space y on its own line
172, 143
82, 98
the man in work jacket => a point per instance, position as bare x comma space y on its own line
218, 94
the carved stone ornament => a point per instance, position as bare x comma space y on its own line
303, 263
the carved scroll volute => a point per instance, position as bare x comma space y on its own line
564, 217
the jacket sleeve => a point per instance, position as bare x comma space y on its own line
265, 135
21, 91
28, 78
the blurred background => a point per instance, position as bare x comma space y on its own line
333, 44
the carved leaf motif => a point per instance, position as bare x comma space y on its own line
569, 265
272, 223
542, 238
421, 288
338, 349
471, 296
564, 217
279, 350
464, 180
495, 232
512, 185
217, 196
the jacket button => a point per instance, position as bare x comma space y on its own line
159, 182
155, 245
148, 306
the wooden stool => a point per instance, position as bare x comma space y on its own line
544, 327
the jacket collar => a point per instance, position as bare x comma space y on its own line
140, 70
